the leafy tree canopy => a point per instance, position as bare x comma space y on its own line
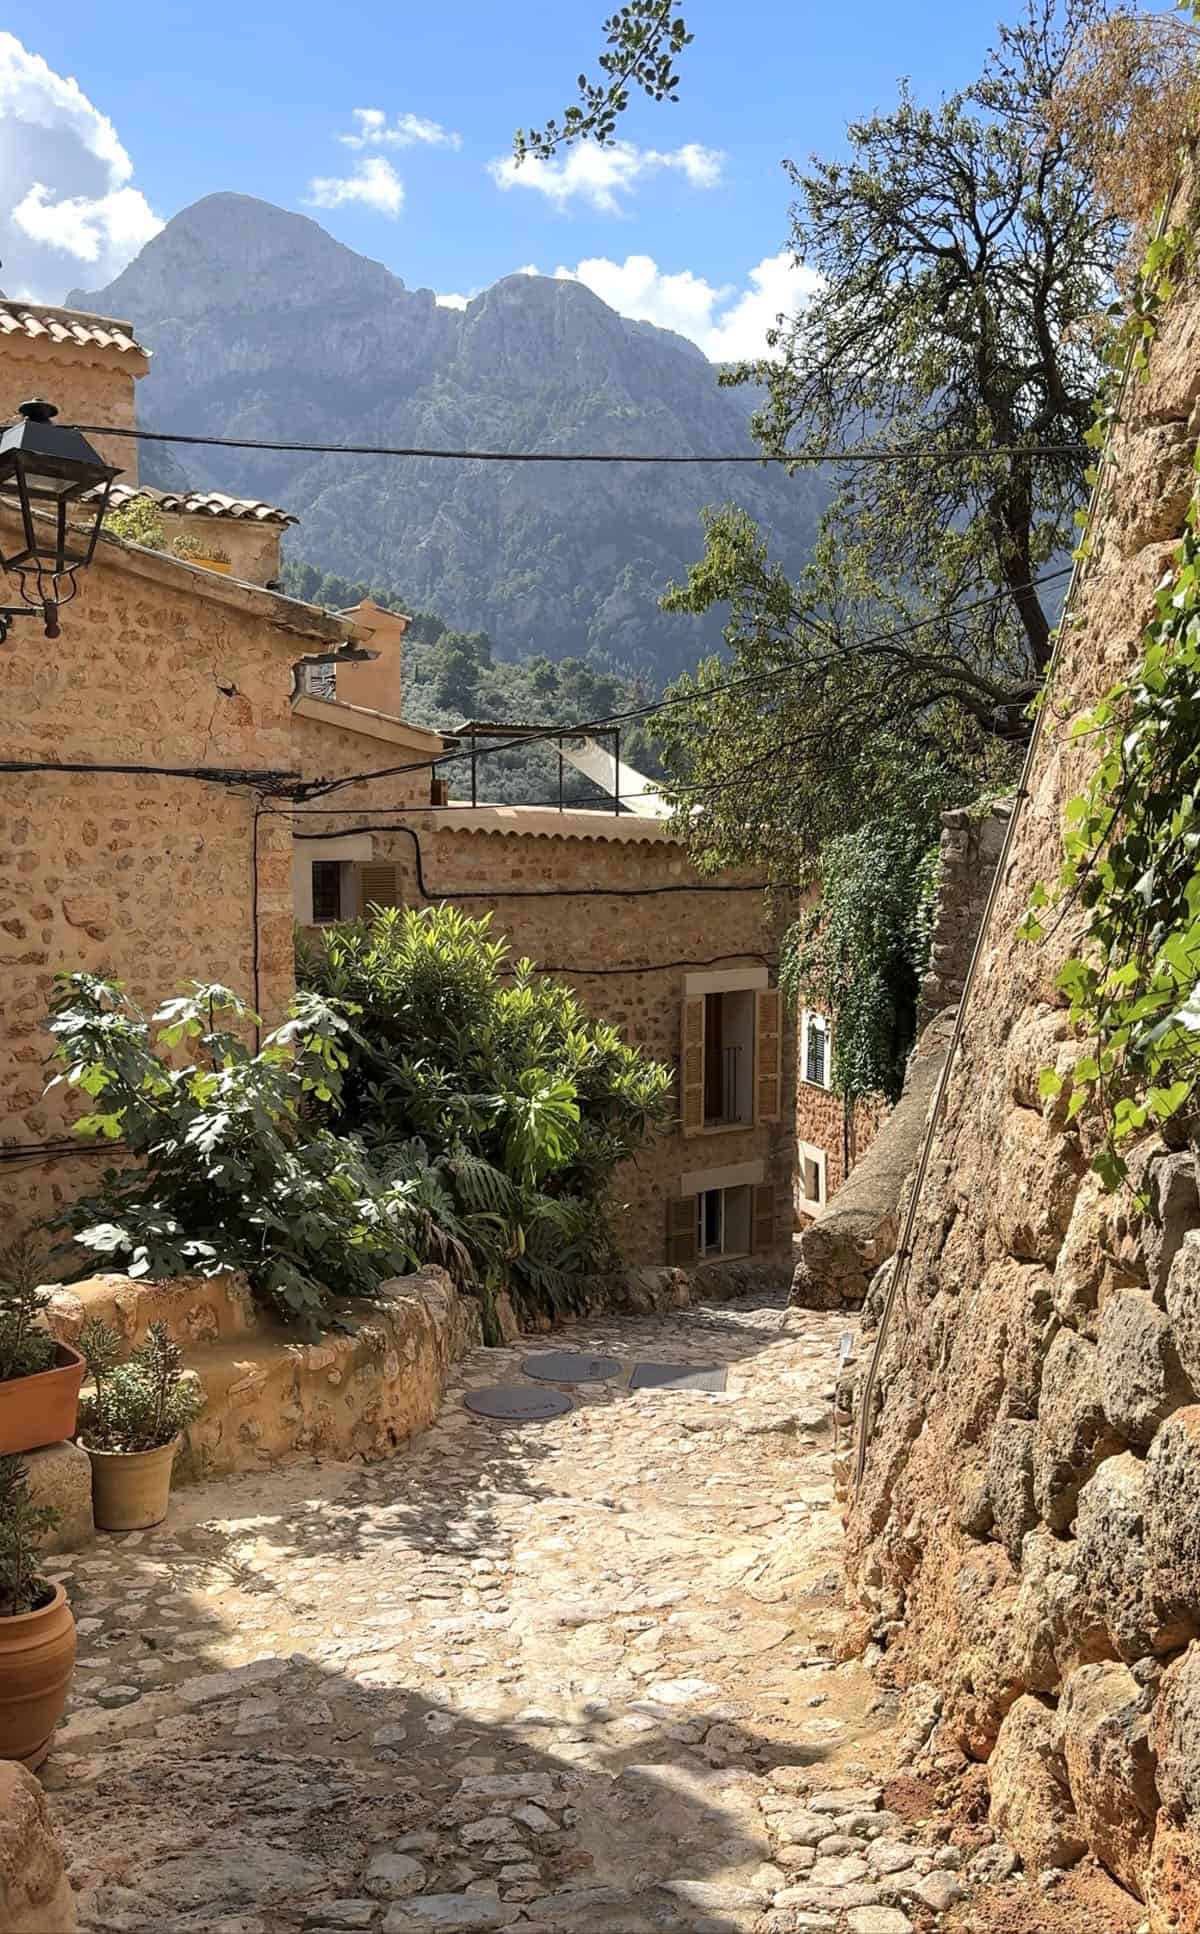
642, 41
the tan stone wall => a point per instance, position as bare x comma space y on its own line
251, 547
820, 1121
600, 945
88, 385
1026, 1534
148, 878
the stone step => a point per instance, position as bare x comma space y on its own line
195, 1309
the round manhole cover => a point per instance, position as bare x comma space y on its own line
570, 1366
517, 1403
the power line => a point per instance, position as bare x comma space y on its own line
259, 779
319, 788
854, 453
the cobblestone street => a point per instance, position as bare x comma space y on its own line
569, 1675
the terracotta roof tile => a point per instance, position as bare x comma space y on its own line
201, 503
35, 320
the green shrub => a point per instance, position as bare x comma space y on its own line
234, 1175
23, 1525
142, 1403
503, 1109
413, 1108
24, 1347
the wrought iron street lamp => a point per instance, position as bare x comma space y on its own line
47, 470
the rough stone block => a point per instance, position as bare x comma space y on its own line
1141, 1378
1175, 1737
1073, 1434
1030, 1326
1053, 1627
1112, 1564
1172, 1517
60, 1475
1080, 1268
1031, 1804
35, 1894
1110, 1767
1183, 1304
1039, 1172
1010, 1482
1174, 1209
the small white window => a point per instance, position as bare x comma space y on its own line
816, 1060
723, 1222
810, 1178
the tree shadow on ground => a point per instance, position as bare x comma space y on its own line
248, 1812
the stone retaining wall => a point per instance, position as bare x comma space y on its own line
1026, 1539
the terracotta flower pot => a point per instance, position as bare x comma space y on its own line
41, 1409
37, 1663
131, 1490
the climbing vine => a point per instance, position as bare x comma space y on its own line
1132, 838
859, 953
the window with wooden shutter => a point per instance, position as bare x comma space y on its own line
326, 891
377, 885
768, 1044
691, 1068
681, 1231
762, 1234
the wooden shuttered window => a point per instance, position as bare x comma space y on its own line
691, 1070
377, 885
768, 1046
762, 1229
682, 1246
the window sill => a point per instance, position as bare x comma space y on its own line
726, 1127
726, 1255
822, 1087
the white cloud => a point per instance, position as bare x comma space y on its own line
728, 321
374, 183
599, 175
66, 193
452, 301
406, 131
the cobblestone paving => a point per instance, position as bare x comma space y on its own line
578, 1675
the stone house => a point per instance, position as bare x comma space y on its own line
830, 1137
606, 901
168, 693
194, 869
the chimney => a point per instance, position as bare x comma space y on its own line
375, 685
85, 364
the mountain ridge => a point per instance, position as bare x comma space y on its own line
263, 325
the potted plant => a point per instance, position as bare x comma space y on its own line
213, 557
37, 1629
39, 1377
130, 1424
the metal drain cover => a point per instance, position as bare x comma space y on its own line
517, 1403
676, 1376
570, 1366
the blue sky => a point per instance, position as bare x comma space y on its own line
390, 124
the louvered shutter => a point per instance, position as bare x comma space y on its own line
682, 1246
762, 1233
768, 1078
691, 1068
377, 885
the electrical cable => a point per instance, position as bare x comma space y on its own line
550, 892
315, 789
211, 775
854, 453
